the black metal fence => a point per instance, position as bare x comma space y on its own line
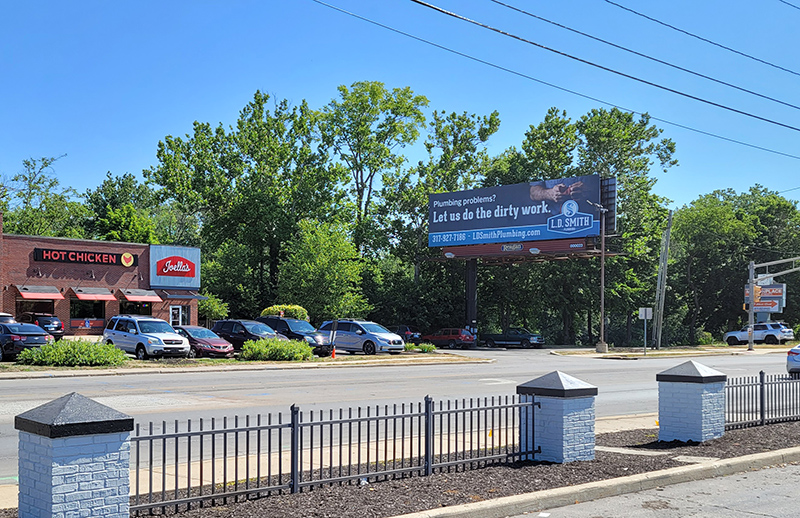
218, 461
760, 400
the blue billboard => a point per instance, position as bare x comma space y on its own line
548, 209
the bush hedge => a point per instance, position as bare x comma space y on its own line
289, 311
272, 349
73, 353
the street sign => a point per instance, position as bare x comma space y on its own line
768, 306
645, 313
768, 292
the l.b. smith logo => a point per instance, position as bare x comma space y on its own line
570, 220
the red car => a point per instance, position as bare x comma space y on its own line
451, 337
205, 342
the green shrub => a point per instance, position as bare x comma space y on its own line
272, 349
410, 347
73, 353
426, 348
289, 311
704, 338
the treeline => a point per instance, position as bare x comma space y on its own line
323, 208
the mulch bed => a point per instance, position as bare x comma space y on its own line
410, 494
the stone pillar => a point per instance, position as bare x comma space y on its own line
563, 426
691, 403
74, 460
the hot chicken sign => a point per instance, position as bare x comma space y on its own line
174, 267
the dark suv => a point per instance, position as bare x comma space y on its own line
50, 323
409, 333
238, 332
296, 329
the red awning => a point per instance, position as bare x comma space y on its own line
141, 295
93, 294
40, 292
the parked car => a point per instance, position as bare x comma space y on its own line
765, 332
205, 342
363, 336
408, 333
451, 337
518, 336
238, 332
50, 323
145, 337
16, 337
793, 362
296, 329
6, 318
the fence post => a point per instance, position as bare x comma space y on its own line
762, 396
74, 459
428, 436
295, 449
691, 403
564, 420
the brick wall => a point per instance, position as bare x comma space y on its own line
87, 475
18, 267
564, 429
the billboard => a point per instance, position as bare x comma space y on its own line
549, 209
174, 267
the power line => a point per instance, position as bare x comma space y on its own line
551, 85
637, 13
789, 4
661, 61
601, 67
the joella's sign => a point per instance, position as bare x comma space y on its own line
174, 267
124, 259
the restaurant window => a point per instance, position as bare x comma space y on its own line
35, 306
91, 309
135, 308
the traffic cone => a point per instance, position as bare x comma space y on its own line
333, 353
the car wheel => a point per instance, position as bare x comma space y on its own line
451, 344
794, 375
732, 340
323, 352
525, 344
771, 339
194, 353
141, 352
490, 343
109, 342
369, 348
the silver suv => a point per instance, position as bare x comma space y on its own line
145, 336
363, 336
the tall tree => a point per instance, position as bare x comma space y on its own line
39, 207
250, 185
364, 129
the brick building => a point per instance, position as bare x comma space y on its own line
85, 282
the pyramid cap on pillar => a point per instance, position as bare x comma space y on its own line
557, 384
72, 415
691, 372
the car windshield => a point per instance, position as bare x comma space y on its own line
257, 328
374, 328
300, 326
154, 326
24, 328
200, 332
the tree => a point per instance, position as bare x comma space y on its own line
126, 224
363, 129
212, 308
322, 272
39, 207
250, 185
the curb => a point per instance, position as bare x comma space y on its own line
260, 367
559, 497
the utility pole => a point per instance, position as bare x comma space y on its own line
661, 284
602, 346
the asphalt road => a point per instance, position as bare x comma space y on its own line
625, 387
766, 493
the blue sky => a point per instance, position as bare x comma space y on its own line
103, 82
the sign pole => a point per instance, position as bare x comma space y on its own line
751, 310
